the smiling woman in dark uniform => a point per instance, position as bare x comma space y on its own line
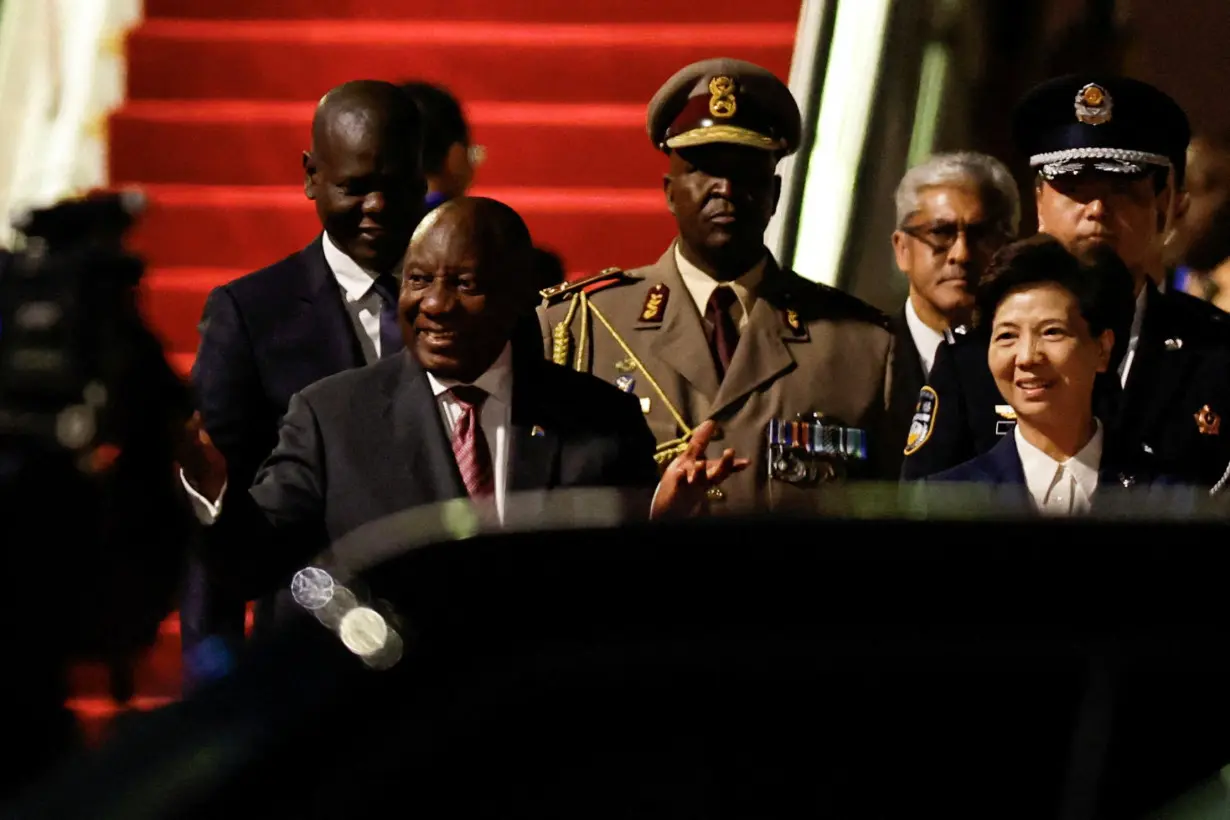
1050, 320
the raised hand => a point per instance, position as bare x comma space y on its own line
687, 479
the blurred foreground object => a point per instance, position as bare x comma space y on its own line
93, 525
573, 665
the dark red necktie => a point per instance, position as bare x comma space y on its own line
720, 324
470, 445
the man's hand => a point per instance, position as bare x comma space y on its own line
203, 465
681, 492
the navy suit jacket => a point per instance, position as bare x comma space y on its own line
1001, 472
264, 337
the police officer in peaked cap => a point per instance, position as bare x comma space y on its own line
1103, 149
715, 328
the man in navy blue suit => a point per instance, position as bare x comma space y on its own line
322, 310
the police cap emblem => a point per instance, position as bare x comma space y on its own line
1093, 105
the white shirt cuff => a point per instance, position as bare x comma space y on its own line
206, 511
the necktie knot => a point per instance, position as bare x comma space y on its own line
386, 287
469, 396
722, 331
723, 298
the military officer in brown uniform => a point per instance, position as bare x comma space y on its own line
793, 372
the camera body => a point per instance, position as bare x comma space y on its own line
90, 414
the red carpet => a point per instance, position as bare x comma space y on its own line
221, 93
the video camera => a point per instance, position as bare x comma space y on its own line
90, 413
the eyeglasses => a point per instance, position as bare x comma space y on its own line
941, 235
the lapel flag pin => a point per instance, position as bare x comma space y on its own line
537, 432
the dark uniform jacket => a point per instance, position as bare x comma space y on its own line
1170, 410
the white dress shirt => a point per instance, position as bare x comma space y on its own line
494, 420
363, 303
1133, 337
701, 285
925, 339
1061, 487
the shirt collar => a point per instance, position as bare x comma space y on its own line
925, 339
1040, 468
701, 285
496, 380
355, 280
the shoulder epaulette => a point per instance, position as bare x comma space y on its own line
589, 284
848, 305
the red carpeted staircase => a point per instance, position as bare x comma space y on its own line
220, 94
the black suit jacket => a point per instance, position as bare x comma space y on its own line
368, 443
907, 379
264, 337
1181, 366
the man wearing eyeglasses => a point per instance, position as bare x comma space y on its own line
954, 211
1103, 150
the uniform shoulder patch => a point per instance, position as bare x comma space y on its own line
588, 284
923, 422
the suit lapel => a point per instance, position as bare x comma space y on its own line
1159, 367
908, 377
534, 443
1005, 462
425, 459
908, 373
761, 354
679, 339
332, 335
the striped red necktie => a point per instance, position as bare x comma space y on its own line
470, 445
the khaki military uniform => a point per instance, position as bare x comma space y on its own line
805, 349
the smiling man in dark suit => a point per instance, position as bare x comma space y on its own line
324, 309
470, 409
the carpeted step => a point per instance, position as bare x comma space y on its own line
564, 11
158, 673
231, 227
240, 142
172, 300
96, 715
297, 59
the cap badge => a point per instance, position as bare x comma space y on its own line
1093, 105
722, 101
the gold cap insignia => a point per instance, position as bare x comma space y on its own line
1093, 105
722, 102
1208, 422
654, 308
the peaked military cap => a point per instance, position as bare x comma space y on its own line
723, 100
1082, 123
